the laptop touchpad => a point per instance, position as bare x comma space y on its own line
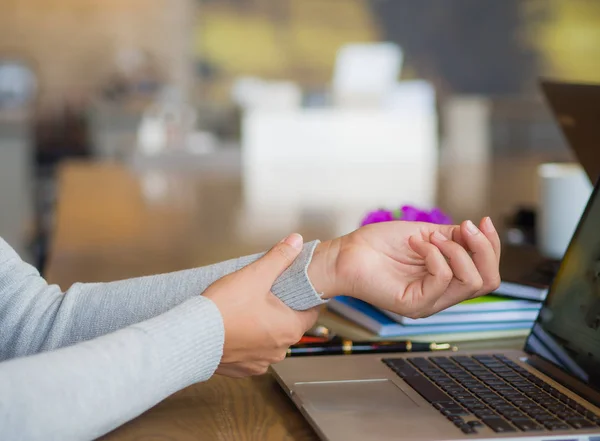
364, 396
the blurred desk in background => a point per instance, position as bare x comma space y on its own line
113, 222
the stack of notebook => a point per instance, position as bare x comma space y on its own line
487, 317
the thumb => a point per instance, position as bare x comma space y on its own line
308, 318
280, 257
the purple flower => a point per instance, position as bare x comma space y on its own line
377, 216
407, 213
437, 216
412, 214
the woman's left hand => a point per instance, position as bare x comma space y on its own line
412, 268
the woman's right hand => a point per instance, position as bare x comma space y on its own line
259, 328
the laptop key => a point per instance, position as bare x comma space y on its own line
498, 425
421, 362
512, 416
468, 429
534, 410
455, 412
568, 415
557, 426
446, 405
527, 425
464, 397
581, 423
401, 367
426, 389
544, 417
592, 417
475, 406
485, 413
457, 390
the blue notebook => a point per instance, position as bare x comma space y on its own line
377, 322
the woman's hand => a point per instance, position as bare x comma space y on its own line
411, 268
259, 328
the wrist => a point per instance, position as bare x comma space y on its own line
321, 270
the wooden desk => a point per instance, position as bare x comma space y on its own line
113, 223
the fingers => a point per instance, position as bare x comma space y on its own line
278, 258
483, 255
485, 250
448, 231
466, 280
463, 267
487, 227
427, 291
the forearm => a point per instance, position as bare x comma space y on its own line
86, 390
36, 317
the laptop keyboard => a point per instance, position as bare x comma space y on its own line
492, 391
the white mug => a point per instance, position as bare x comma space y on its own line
564, 190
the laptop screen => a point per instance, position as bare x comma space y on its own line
567, 331
576, 108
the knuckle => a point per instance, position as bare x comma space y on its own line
413, 313
445, 274
491, 285
476, 283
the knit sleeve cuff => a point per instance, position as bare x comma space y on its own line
294, 287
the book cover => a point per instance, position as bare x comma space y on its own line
522, 291
379, 323
473, 317
346, 328
491, 302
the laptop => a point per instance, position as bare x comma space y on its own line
576, 108
549, 390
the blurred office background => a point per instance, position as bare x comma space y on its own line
371, 96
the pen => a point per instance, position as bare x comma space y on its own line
310, 339
345, 347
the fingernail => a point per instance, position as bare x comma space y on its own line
294, 240
471, 228
439, 236
489, 224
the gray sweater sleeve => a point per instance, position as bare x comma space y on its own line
86, 390
124, 346
35, 316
